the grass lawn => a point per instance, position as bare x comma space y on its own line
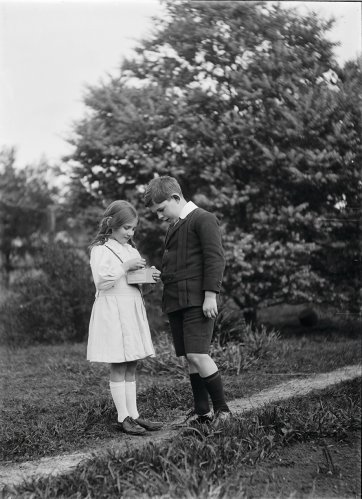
303, 447
55, 401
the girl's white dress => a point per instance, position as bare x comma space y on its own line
118, 328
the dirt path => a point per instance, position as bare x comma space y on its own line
13, 474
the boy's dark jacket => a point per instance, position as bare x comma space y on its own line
193, 261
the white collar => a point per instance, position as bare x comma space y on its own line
187, 209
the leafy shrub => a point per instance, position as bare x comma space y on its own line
229, 325
233, 325
254, 344
53, 302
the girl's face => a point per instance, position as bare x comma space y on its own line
123, 234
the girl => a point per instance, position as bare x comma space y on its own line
118, 331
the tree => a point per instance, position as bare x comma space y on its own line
245, 104
25, 195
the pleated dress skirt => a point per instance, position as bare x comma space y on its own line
118, 328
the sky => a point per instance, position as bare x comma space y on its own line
50, 50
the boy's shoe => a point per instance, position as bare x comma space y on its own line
194, 419
148, 425
130, 427
221, 417
204, 418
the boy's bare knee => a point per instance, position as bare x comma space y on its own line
196, 358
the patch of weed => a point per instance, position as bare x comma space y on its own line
207, 463
55, 401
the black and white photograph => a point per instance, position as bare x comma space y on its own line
180, 249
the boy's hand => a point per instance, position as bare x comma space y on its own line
209, 307
156, 274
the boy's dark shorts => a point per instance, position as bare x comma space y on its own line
191, 331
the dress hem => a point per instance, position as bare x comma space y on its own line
121, 361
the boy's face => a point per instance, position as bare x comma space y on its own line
169, 210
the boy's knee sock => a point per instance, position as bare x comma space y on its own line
118, 391
214, 386
131, 399
201, 395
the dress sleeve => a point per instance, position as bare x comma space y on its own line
106, 268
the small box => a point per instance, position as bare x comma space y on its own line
141, 276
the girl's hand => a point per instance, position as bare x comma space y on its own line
135, 264
156, 274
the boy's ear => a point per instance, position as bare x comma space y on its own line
176, 197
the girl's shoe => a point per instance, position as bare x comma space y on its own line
130, 427
149, 425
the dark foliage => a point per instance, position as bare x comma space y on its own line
246, 105
52, 303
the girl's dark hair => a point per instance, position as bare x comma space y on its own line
117, 214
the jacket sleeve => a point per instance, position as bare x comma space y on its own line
106, 268
208, 230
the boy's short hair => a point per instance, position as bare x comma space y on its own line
160, 189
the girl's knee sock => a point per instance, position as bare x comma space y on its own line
118, 391
131, 399
214, 386
201, 395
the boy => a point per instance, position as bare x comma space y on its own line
192, 267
